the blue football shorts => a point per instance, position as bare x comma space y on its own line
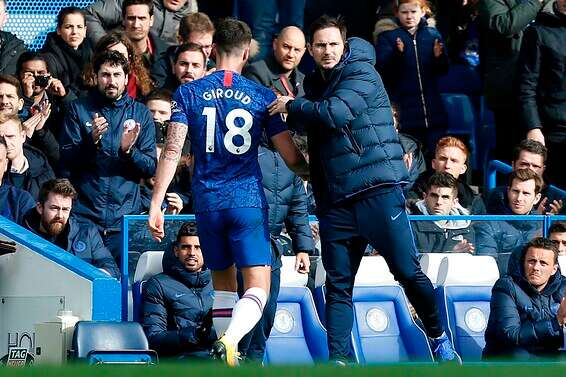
235, 235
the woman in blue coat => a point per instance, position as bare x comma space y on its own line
410, 58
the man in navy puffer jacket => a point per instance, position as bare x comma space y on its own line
528, 310
357, 172
107, 147
177, 304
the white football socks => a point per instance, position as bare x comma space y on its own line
246, 314
222, 307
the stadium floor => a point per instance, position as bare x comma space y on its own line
404, 370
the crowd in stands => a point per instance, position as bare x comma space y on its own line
84, 121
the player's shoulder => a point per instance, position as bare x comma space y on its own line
259, 90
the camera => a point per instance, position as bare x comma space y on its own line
42, 80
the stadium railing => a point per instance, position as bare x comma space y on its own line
142, 232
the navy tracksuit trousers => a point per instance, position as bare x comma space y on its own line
378, 219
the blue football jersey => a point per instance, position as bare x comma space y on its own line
226, 115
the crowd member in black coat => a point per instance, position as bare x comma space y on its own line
188, 64
29, 168
177, 304
194, 28
279, 70
11, 47
137, 19
542, 86
67, 50
528, 310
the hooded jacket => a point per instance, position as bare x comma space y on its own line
441, 236
106, 179
411, 76
35, 176
177, 309
11, 47
352, 143
521, 318
66, 63
78, 238
105, 15
541, 73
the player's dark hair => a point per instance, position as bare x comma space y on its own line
61, 186
64, 12
531, 146
232, 36
188, 229
189, 47
442, 179
128, 3
112, 58
324, 22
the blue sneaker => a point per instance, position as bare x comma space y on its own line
443, 350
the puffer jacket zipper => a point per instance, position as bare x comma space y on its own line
419, 78
350, 135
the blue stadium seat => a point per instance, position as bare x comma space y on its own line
104, 342
464, 310
297, 336
149, 264
462, 120
384, 330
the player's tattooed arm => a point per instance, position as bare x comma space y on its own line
176, 134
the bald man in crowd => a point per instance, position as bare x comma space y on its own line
279, 70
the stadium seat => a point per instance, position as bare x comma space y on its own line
104, 342
466, 269
463, 296
384, 330
461, 120
149, 264
464, 310
562, 264
297, 336
374, 271
429, 264
290, 277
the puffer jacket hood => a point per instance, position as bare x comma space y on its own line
457, 210
359, 50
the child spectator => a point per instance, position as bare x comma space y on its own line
410, 58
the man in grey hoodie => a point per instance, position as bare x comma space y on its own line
442, 236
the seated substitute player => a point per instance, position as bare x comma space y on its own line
225, 115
